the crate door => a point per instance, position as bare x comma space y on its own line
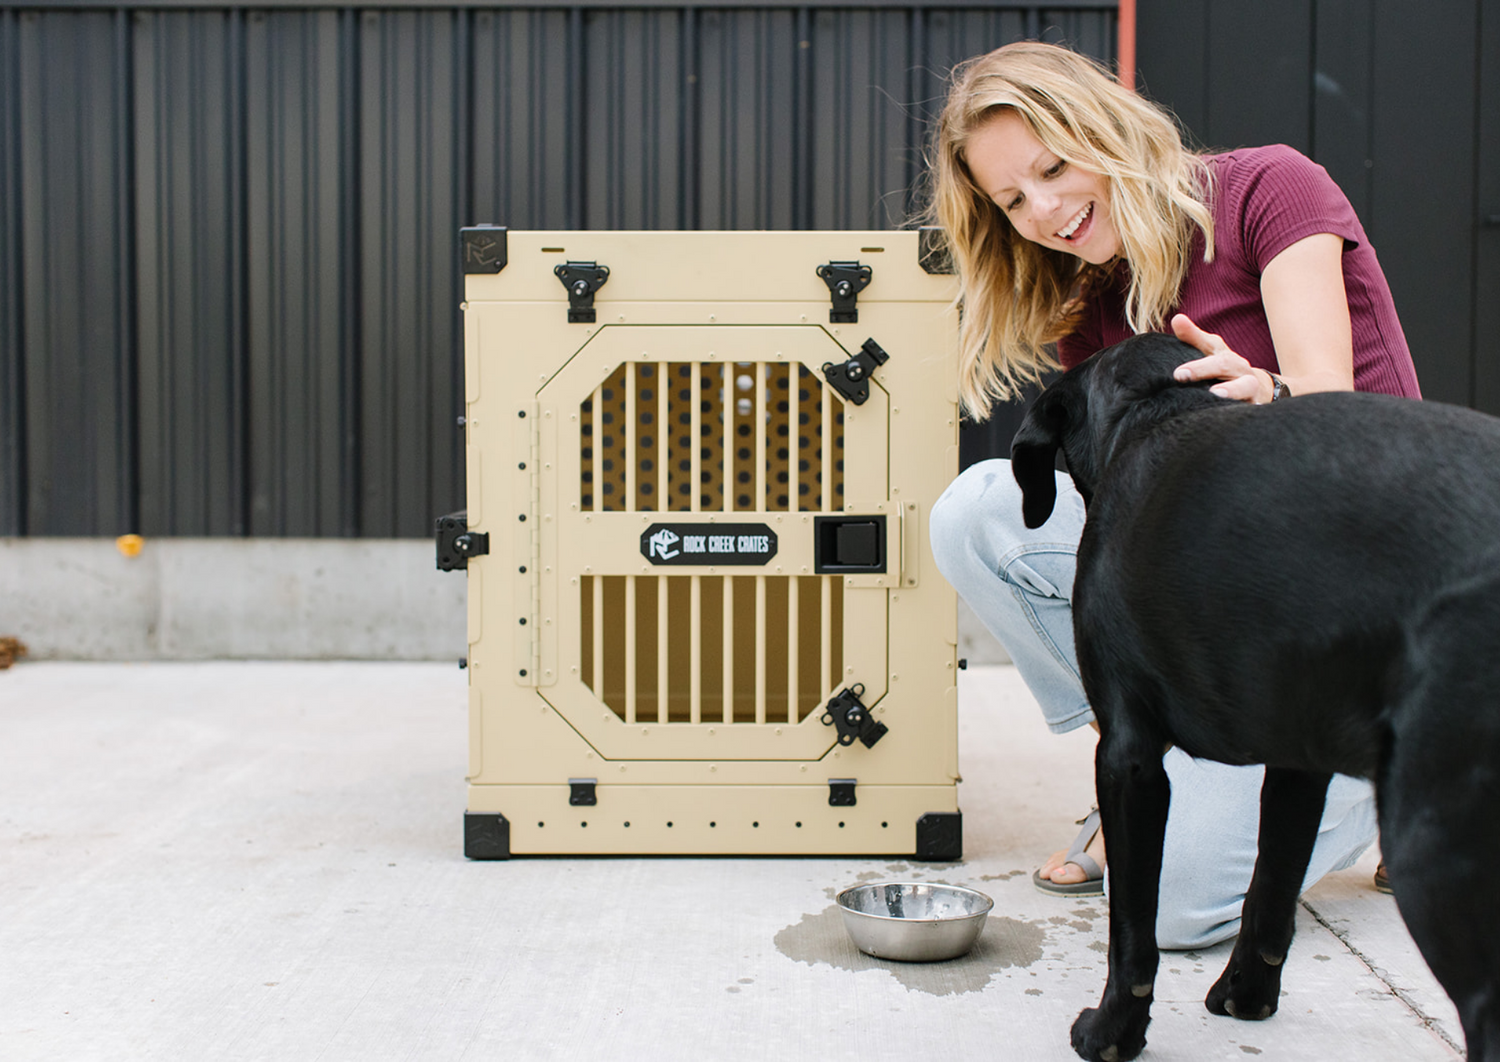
684, 469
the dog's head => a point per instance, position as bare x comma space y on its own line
1093, 409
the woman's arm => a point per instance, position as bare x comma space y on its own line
1308, 311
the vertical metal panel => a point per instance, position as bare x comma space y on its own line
860, 144
521, 79
1487, 215
1342, 83
12, 378
1259, 96
298, 474
73, 238
410, 446
190, 203
745, 85
632, 88
1422, 203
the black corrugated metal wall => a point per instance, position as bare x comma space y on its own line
228, 295
228, 286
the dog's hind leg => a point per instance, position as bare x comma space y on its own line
1291, 806
1439, 830
1134, 795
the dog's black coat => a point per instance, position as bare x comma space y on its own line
1313, 585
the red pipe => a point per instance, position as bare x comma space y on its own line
1127, 44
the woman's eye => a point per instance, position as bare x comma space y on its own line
1012, 205
1056, 168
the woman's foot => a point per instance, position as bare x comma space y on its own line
1079, 869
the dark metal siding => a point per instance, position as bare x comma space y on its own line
1400, 108
228, 285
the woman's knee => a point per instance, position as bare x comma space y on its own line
967, 514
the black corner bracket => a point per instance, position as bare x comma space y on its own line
852, 378
582, 279
852, 718
581, 792
486, 835
484, 248
933, 253
841, 792
845, 281
940, 837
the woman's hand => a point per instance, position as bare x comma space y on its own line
1241, 380
1302, 289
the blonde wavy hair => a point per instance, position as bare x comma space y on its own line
1017, 296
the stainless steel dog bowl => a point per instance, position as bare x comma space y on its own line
913, 921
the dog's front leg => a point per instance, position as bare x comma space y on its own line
1133, 798
1291, 807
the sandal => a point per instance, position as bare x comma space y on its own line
1093, 883
1382, 879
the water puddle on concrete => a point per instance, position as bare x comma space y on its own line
1006, 942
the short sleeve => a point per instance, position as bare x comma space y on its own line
1281, 196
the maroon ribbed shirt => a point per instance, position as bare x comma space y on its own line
1264, 200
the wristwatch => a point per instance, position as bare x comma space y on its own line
1279, 389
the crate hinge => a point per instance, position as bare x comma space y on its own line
534, 465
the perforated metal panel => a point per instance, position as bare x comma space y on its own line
698, 542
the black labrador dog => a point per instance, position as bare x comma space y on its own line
1313, 585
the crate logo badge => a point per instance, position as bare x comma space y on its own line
702, 544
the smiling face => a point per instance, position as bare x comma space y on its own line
1048, 200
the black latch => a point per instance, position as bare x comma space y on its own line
582, 279
582, 793
456, 543
841, 792
845, 281
852, 378
852, 718
849, 545
484, 248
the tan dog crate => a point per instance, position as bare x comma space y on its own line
703, 615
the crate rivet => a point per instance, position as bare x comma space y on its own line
713, 767
803, 767
778, 731
710, 731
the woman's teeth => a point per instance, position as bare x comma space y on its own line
1067, 233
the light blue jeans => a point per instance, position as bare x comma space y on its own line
1020, 584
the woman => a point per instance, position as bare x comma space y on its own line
1075, 217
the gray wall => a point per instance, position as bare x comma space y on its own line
228, 286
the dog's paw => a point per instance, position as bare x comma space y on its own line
1100, 1035
1247, 990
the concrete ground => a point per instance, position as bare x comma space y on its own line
262, 861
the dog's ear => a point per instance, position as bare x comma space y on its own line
1033, 455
